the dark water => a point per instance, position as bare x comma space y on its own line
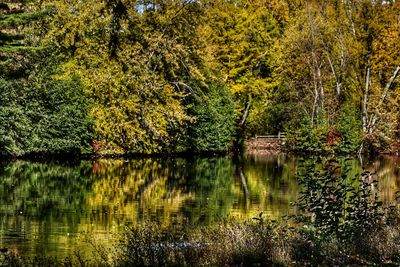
58, 208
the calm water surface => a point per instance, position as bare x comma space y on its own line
58, 208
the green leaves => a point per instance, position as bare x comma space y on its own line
45, 117
339, 205
213, 126
17, 42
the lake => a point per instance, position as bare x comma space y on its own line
57, 208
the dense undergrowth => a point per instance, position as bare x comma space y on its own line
262, 243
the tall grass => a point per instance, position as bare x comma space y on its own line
254, 243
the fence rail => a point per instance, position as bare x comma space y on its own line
267, 142
279, 136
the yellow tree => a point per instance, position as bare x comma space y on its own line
376, 64
240, 36
314, 58
338, 52
138, 60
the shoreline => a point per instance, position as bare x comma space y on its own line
65, 156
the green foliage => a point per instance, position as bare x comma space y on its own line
306, 137
214, 119
19, 27
350, 128
46, 116
274, 113
340, 206
344, 137
17, 19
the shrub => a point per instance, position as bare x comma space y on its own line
305, 137
49, 116
350, 128
213, 126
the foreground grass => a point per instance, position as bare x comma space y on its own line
255, 243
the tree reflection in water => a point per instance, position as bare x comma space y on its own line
46, 206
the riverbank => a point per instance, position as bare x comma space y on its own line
259, 242
262, 145
65, 156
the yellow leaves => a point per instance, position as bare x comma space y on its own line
387, 47
135, 106
240, 37
72, 20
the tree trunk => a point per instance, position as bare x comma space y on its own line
365, 101
238, 145
246, 113
385, 92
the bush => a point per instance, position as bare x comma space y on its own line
350, 128
214, 118
343, 207
344, 137
305, 137
45, 117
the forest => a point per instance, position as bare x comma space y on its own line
171, 76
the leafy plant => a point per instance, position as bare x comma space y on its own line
350, 129
338, 205
214, 119
46, 116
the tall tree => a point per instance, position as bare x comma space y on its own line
376, 27
138, 61
240, 36
336, 52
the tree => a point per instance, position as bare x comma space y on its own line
240, 36
16, 46
344, 53
314, 59
214, 119
43, 117
38, 114
376, 64
138, 62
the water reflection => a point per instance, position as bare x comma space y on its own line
387, 171
40, 203
191, 191
48, 206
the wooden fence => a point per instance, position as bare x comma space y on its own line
280, 136
267, 142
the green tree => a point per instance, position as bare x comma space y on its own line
17, 45
214, 121
43, 117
